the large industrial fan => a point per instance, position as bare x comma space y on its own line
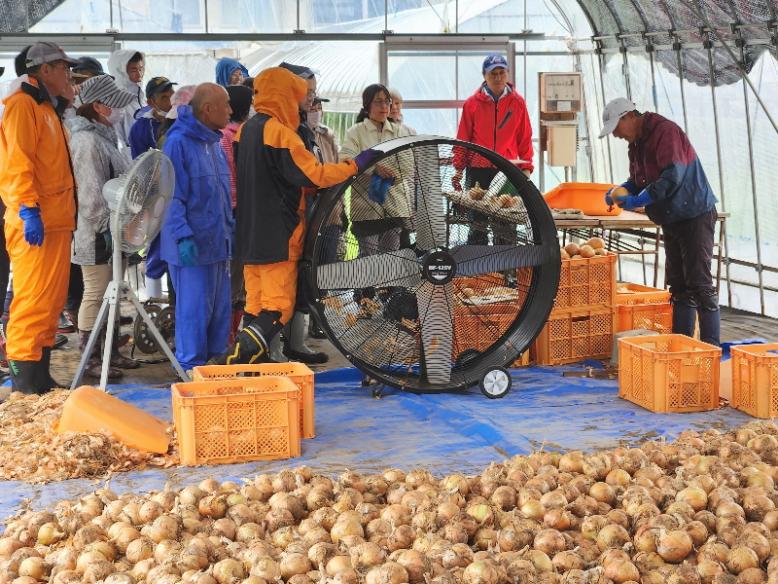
138, 201
435, 267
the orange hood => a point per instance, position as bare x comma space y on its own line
278, 93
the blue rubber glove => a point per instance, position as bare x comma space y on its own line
631, 202
365, 158
379, 186
187, 249
609, 198
33, 226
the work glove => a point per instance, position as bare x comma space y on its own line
631, 202
609, 197
365, 158
187, 250
456, 180
379, 186
33, 226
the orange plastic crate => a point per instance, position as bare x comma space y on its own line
587, 283
652, 317
669, 373
236, 420
298, 373
755, 380
477, 327
571, 336
628, 293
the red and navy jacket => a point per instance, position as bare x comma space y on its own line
502, 126
663, 161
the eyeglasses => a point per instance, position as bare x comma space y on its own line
382, 102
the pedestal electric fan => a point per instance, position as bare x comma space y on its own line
138, 201
433, 268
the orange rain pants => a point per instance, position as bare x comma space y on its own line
273, 287
40, 284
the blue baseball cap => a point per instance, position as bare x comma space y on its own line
493, 61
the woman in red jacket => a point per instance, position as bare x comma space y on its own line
494, 117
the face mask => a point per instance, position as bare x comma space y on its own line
115, 117
314, 119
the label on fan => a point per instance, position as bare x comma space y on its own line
439, 267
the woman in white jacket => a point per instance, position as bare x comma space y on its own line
96, 159
378, 214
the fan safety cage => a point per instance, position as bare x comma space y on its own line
147, 189
426, 277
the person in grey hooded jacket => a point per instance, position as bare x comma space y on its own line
96, 160
127, 67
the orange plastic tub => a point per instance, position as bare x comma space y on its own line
298, 373
669, 373
89, 409
237, 420
589, 198
755, 379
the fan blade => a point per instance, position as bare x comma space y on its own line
397, 268
473, 260
430, 213
436, 319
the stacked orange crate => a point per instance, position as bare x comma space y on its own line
642, 307
582, 323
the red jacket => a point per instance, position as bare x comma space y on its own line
503, 126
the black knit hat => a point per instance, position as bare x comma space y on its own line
240, 101
20, 61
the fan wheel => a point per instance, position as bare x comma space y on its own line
141, 334
166, 323
496, 383
431, 287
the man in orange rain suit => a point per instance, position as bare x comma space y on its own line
36, 185
273, 167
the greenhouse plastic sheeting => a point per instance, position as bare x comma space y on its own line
443, 432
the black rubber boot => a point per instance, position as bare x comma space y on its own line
314, 330
251, 344
710, 319
46, 369
296, 349
26, 377
684, 317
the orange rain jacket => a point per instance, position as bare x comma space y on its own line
35, 167
273, 168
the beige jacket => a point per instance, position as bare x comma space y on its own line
399, 199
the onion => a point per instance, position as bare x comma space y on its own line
571, 462
612, 536
751, 576
401, 538
456, 483
227, 571
674, 546
342, 529
558, 519
249, 532
366, 555
565, 561
98, 570
213, 506
549, 541
533, 510
480, 572
126, 536
695, 497
602, 492
708, 569
293, 564
618, 477
416, 564
163, 528
482, 513
388, 573
504, 498
540, 560
48, 534
698, 532
337, 564
622, 571
741, 558
266, 568
8, 546
33, 567
139, 549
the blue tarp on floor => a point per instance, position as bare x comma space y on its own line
443, 433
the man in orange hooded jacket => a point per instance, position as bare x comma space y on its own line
273, 167
36, 185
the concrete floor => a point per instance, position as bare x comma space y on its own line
735, 325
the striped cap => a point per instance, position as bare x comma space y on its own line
103, 89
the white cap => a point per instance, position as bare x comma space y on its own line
613, 112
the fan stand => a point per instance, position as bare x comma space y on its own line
117, 291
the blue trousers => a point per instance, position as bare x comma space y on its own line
203, 305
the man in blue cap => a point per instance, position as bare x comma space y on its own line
145, 130
494, 117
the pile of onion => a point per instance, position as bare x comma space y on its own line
701, 510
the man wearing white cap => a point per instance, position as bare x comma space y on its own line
667, 178
36, 185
